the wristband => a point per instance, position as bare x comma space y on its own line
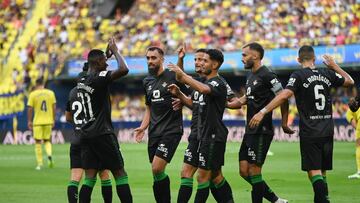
264, 110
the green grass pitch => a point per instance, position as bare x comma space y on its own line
20, 182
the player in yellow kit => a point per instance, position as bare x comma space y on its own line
354, 119
42, 104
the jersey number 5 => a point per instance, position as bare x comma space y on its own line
320, 105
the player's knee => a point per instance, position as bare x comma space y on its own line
119, 172
185, 173
216, 177
156, 169
76, 177
188, 171
104, 175
254, 169
203, 176
243, 172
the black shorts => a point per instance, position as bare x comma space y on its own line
102, 152
316, 153
75, 156
211, 155
254, 149
191, 155
163, 147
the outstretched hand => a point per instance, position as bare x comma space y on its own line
174, 89
176, 104
287, 129
139, 134
111, 46
177, 70
329, 61
181, 51
256, 119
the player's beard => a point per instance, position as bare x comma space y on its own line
153, 70
249, 65
206, 71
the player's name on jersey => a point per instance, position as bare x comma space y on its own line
320, 117
85, 87
317, 78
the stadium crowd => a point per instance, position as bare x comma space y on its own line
71, 28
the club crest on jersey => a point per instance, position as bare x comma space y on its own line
103, 73
164, 84
255, 82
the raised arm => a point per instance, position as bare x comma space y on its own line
182, 77
122, 66
330, 63
181, 55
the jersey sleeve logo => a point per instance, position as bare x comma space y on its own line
103, 73
214, 83
338, 75
291, 82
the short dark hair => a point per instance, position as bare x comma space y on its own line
39, 81
256, 47
216, 55
158, 49
201, 50
306, 53
94, 55
86, 66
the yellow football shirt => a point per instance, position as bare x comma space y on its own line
42, 101
356, 116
